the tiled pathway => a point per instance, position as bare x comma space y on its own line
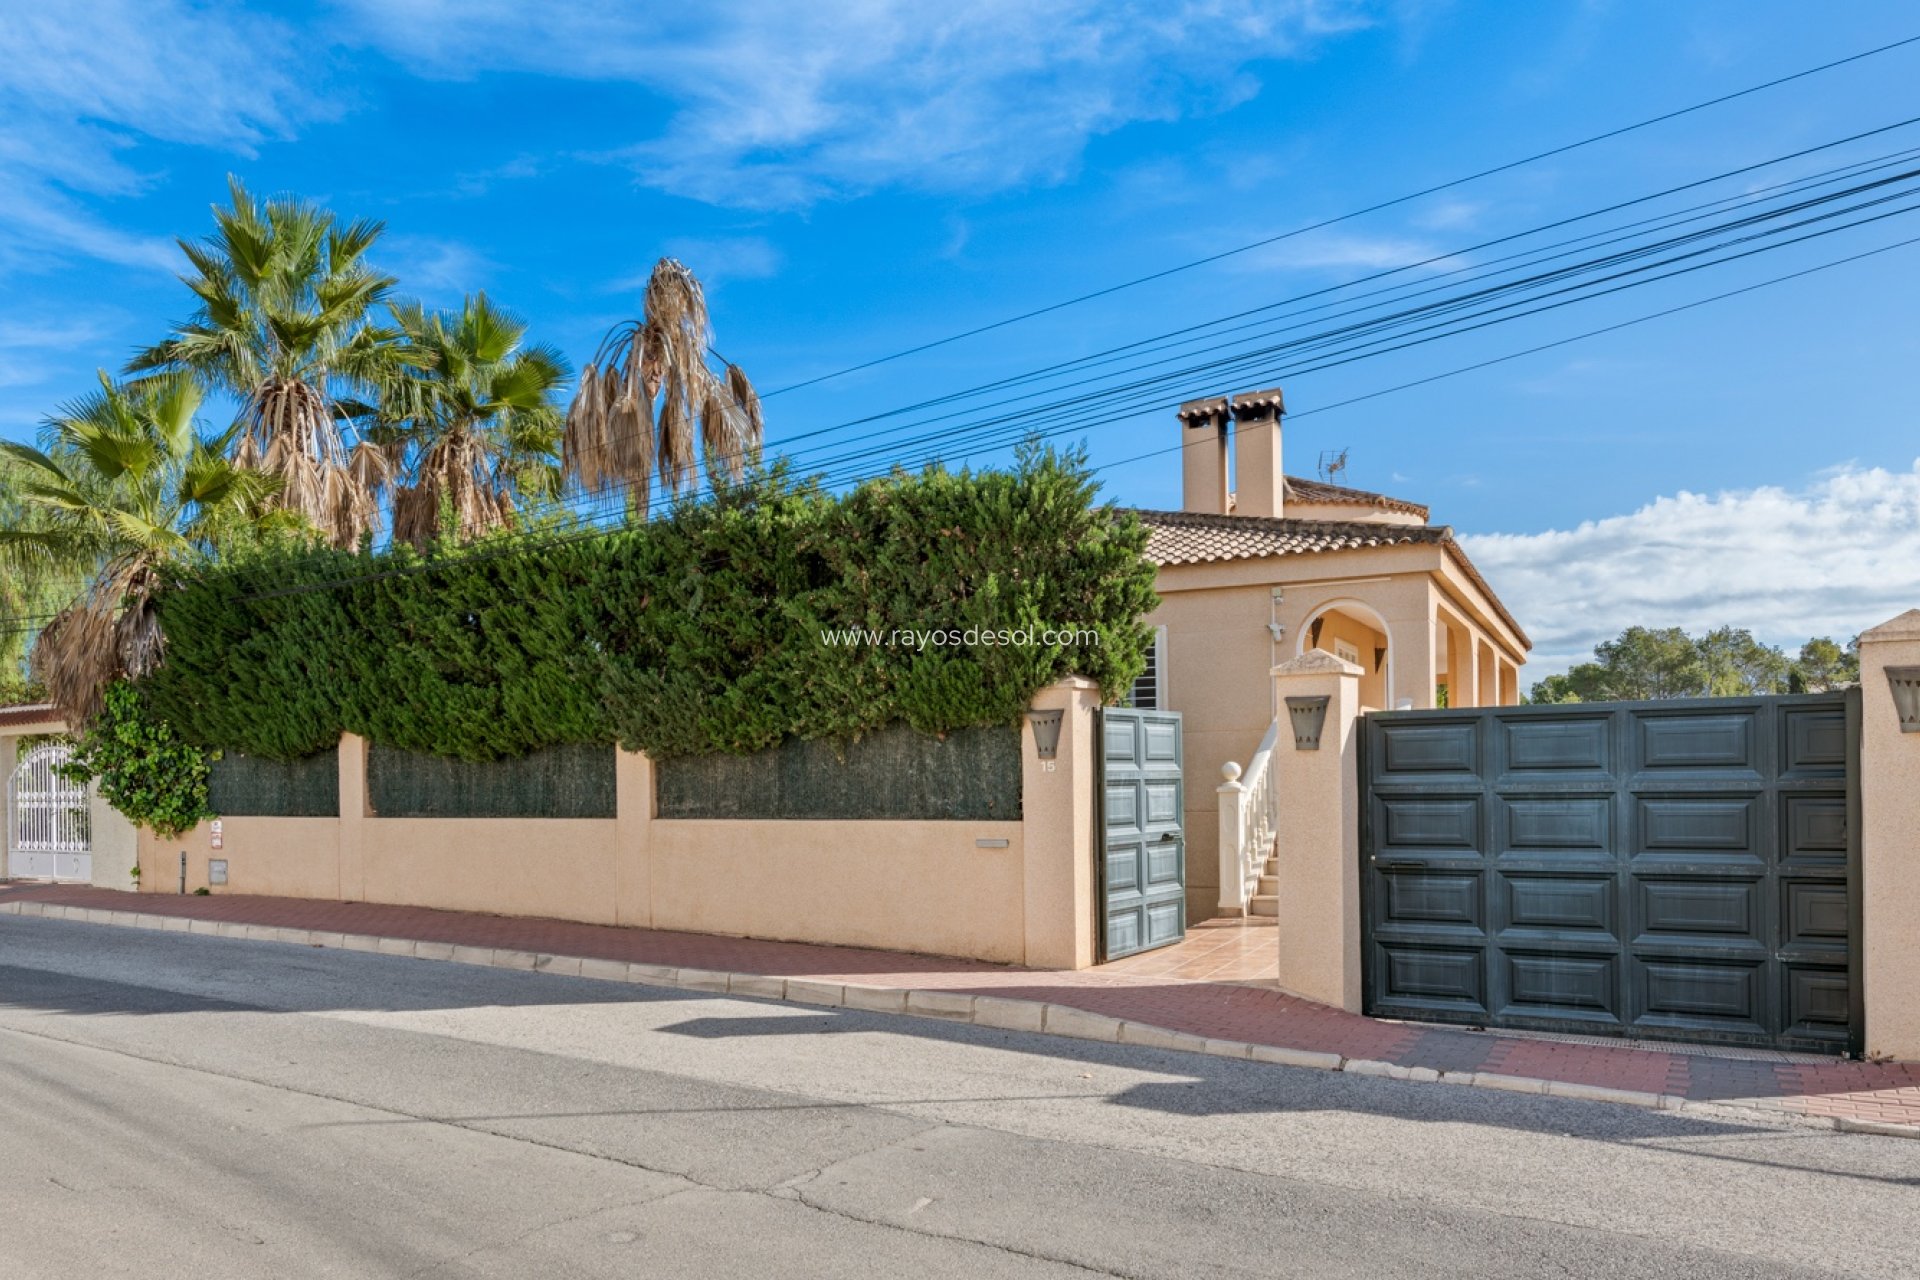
1225, 1006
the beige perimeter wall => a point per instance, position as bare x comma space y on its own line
1014, 892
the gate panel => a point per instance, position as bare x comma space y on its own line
48, 823
1143, 848
1673, 869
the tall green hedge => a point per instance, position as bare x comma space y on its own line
694, 634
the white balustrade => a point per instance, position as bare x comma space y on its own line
1249, 816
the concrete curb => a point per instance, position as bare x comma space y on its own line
1000, 1012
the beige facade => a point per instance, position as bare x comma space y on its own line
1259, 568
1889, 845
1014, 892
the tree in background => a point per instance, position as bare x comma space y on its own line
1644, 663
613, 439
124, 484
1824, 666
468, 417
283, 326
1738, 666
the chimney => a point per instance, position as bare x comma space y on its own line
1260, 486
1203, 456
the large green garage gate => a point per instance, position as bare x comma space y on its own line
1684, 870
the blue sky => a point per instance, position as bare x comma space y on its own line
855, 179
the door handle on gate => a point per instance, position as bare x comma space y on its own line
1401, 866
1168, 835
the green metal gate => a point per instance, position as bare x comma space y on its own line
1687, 870
1143, 847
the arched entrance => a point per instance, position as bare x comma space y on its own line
1349, 629
49, 828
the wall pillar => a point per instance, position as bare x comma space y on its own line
1319, 837
634, 811
1889, 845
9, 757
1058, 809
114, 842
353, 816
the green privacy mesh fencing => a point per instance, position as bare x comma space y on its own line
971, 775
247, 786
570, 781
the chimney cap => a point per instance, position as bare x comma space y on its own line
1259, 404
1200, 413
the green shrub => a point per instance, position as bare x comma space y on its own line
698, 633
144, 769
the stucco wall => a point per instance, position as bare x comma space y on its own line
279, 857
1890, 845
1218, 655
1015, 892
903, 886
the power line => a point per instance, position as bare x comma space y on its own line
1345, 217
613, 498
1083, 409
493, 553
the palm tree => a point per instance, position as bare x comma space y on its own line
282, 326
469, 417
614, 440
28, 592
124, 485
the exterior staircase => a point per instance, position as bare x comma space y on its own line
1265, 900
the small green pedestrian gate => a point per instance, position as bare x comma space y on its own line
1686, 870
1143, 846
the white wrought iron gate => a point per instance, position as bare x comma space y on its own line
48, 825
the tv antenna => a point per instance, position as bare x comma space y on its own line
1332, 463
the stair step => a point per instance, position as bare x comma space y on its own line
1269, 887
1263, 904
1271, 867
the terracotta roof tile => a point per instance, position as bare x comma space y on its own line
1186, 537
1320, 491
29, 713
1191, 537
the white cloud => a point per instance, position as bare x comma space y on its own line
1345, 252
83, 83
31, 351
1832, 558
727, 257
778, 105
437, 271
1450, 215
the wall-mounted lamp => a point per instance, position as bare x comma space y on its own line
1906, 697
1046, 731
1309, 717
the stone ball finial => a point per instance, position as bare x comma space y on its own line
1230, 771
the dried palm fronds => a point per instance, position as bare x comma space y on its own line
111, 631
454, 485
613, 437
288, 433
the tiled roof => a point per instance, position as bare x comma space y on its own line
1191, 537
29, 713
1319, 491
1188, 537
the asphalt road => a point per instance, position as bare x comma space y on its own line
204, 1107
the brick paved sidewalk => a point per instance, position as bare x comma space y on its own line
1236, 1019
